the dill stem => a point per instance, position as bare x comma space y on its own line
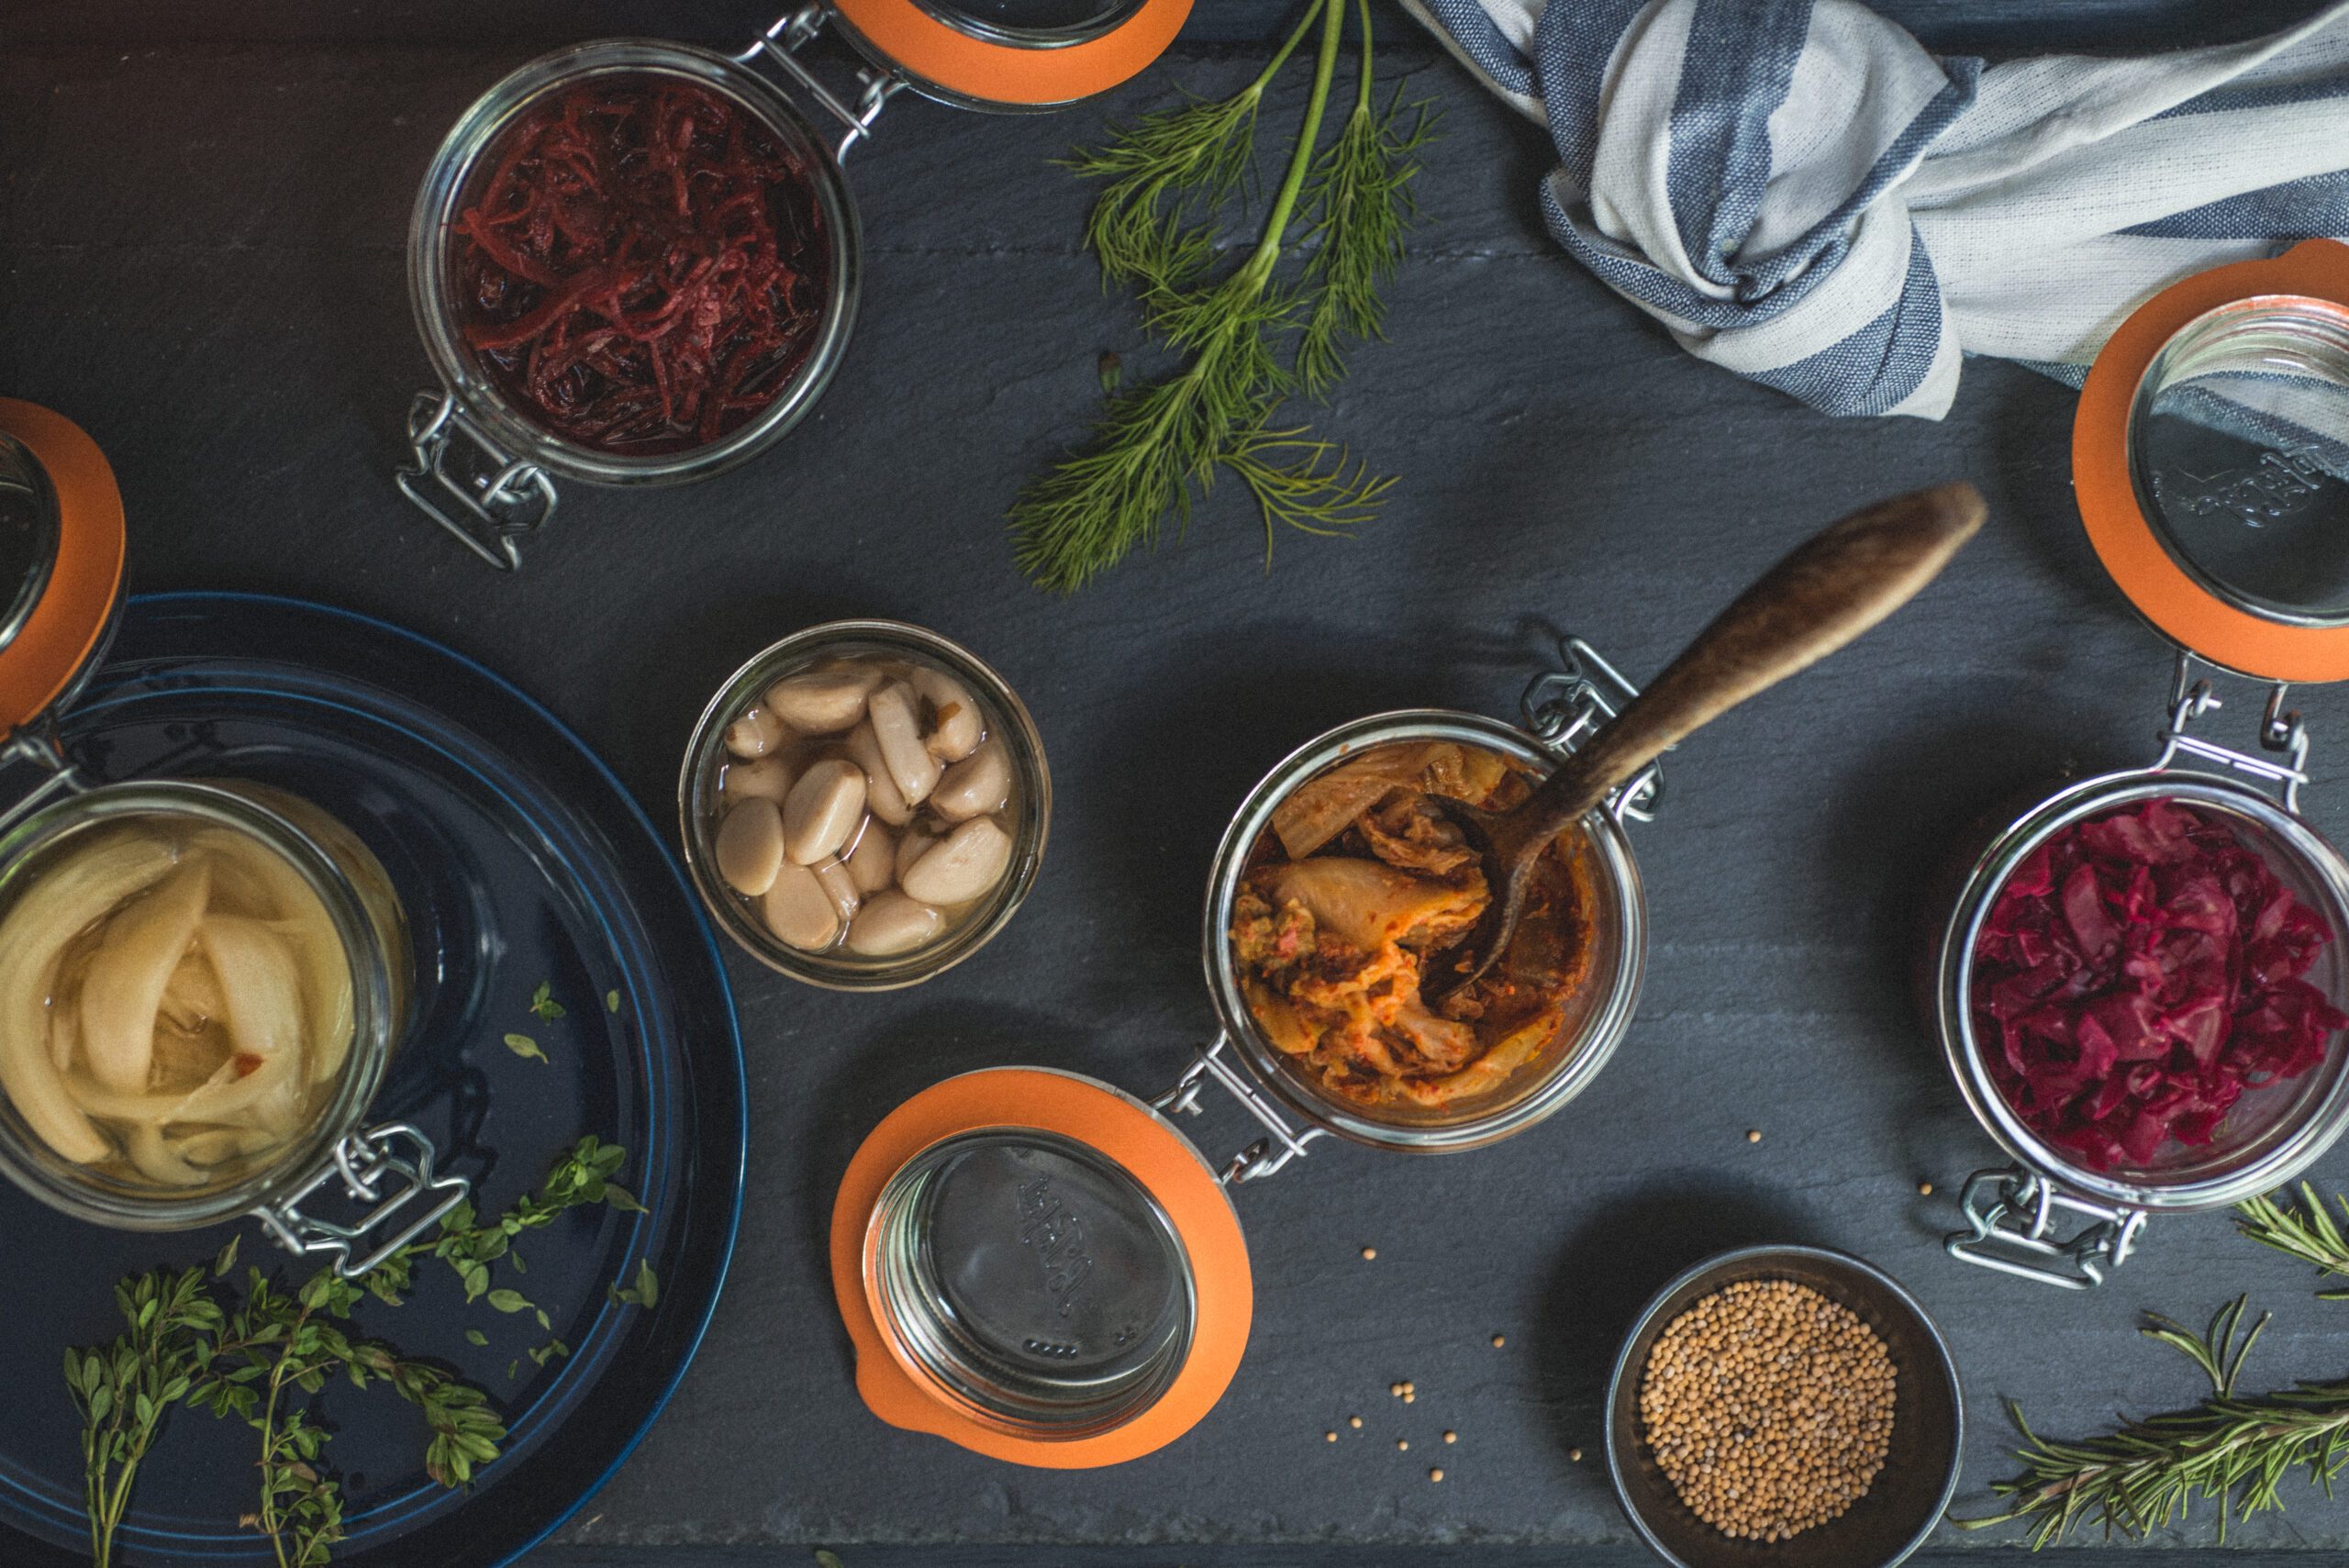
1362, 77
1280, 55
1300, 158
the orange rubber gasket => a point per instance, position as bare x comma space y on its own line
2164, 593
63, 631
1139, 1142
933, 51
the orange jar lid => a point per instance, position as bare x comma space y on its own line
61, 558
2210, 453
1015, 53
1040, 1268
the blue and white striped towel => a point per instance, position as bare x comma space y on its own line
1803, 194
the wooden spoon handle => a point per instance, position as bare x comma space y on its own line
1831, 589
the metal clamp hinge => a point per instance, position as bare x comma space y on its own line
487, 510
37, 744
372, 1172
1265, 1155
781, 43
2011, 1213
2280, 730
1563, 706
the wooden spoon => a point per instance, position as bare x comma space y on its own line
1822, 595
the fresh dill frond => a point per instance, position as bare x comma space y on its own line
1166, 174
1305, 484
1361, 203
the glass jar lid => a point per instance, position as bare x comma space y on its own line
1038, 1268
2211, 456
60, 559
1012, 54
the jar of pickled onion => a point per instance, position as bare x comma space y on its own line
202, 980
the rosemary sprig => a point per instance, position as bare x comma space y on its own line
1250, 338
189, 1340
2307, 1233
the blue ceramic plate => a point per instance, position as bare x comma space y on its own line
520, 860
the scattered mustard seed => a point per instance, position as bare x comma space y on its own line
1451, 1437
1574, 1454
1436, 1474
1394, 1389
1354, 1421
1409, 1387
1924, 1189
1330, 1437
1402, 1442
1753, 1135
1409, 1397
1368, 1253
1499, 1340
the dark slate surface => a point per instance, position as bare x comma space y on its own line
202, 259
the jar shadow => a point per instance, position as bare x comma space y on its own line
1613, 1267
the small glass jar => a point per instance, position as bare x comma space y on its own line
2211, 457
1004, 719
1041, 1268
485, 469
47, 652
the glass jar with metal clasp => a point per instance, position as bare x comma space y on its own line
1042, 1268
2211, 455
253, 927
483, 464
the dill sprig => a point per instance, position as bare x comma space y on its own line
189, 1340
1361, 207
1249, 336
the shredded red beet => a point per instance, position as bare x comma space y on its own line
642, 267
2138, 973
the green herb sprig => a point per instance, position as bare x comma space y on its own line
2232, 1451
189, 1340
1249, 338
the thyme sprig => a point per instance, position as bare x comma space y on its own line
190, 1339
1250, 337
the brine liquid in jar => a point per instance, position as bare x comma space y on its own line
175, 1002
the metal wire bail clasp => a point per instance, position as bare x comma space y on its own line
492, 502
373, 1171
1267, 1154
1563, 706
2281, 731
781, 43
2010, 1213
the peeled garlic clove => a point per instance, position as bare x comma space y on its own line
761, 778
919, 841
874, 862
897, 725
955, 729
893, 923
970, 859
822, 701
881, 794
53, 909
979, 784
822, 810
840, 887
799, 910
122, 990
749, 847
755, 734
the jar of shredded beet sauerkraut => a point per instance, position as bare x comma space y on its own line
202, 980
1042, 1268
2143, 990
636, 262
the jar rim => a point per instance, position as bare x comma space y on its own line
53, 1181
2275, 1160
706, 755
431, 299
1571, 1069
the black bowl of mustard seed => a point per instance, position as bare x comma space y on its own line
1784, 1405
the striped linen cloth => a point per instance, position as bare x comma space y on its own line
1803, 194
